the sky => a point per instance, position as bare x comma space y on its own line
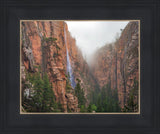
91, 35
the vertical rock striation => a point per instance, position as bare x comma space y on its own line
117, 63
38, 49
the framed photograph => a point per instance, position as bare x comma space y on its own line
80, 67
81, 74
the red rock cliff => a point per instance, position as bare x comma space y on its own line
118, 62
38, 50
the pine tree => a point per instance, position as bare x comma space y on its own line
38, 91
42, 98
48, 95
80, 94
132, 103
107, 100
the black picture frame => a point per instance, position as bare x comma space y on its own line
147, 11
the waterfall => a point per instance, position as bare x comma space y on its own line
69, 68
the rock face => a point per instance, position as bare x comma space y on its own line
117, 63
81, 69
39, 49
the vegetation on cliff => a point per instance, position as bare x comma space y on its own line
41, 97
79, 92
117, 64
132, 105
105, 100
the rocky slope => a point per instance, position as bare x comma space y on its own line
117, 63
43, 44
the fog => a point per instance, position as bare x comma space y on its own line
91, 35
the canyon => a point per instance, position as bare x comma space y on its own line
50, 46
118, 62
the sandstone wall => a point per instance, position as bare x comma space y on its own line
118, 62
50, 56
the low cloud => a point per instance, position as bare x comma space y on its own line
91, 35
